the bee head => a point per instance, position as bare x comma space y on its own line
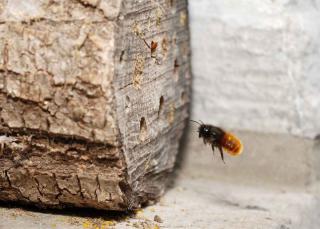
204, 131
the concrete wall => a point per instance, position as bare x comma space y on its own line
256, 64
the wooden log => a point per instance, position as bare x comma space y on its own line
93, 100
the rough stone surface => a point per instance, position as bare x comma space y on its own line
256, 64
256, 190
88, 104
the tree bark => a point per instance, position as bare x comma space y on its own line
93, 100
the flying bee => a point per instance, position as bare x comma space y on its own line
217, 137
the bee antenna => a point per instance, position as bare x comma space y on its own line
195, 121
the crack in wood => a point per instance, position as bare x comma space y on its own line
7, 177
38, 186
80, 188
87, 4
98, 188
55, 138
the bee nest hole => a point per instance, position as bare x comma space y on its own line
161, 102
143, 129
121, 56
176, 70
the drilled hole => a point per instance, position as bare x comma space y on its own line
176, 65
176, 70
143, 129
127, 104
121, 56
161, 101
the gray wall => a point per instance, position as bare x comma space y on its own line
256, 64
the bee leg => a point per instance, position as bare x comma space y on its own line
221, 153
212, 146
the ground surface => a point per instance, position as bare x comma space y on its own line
272, 185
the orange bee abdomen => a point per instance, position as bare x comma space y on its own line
231, 144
